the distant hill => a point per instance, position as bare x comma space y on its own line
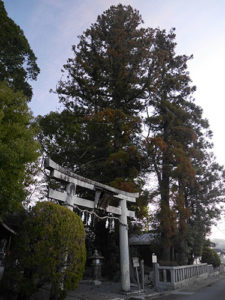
220, 243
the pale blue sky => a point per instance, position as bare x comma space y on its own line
52, 27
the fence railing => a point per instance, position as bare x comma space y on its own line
175, 277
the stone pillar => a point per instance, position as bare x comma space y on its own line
156, 275
70, 190
164, 276
142, 274
124, 249
172, 276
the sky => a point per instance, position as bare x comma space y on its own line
53, 26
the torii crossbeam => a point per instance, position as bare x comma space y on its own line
69, 196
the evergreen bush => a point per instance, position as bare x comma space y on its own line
210, 256
50, 248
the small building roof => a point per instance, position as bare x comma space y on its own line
142, 239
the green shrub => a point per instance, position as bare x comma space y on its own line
50, 248
210, 256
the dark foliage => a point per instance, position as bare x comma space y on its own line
17, 60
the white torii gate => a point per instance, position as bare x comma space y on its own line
69, 196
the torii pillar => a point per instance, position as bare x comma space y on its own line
124, 248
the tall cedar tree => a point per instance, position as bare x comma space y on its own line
177, 144
204, 199
104, 92
98, 133
119, 70
17, 60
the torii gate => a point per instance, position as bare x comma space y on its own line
69, 196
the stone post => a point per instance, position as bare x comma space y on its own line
164, 276
124, 250
172, 276
156, 275
142, 274
70, 190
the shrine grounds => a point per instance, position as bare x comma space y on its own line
87, 290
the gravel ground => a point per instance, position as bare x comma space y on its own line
87, 290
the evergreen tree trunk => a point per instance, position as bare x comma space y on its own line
182, 255
165, 212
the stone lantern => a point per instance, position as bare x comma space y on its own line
96, 265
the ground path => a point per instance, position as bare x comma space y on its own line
208, 289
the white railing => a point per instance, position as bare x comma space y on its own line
174, 277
